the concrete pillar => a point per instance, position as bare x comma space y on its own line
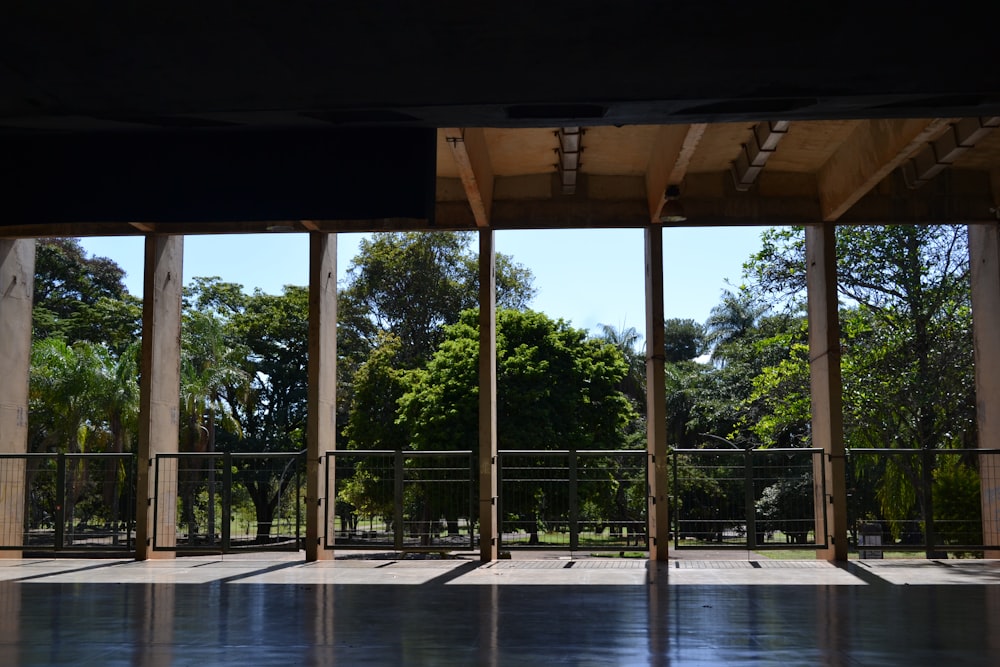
159, 395
488, 492
321, 425
17, 283
825, 387
656, 399
984, 265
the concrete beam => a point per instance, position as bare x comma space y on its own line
471, 153
159, 395
872, 152
321, 427
984, 265
668, 162
656, 399
825, 387
17, 282
488, 486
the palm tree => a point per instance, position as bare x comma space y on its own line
213, 380
733, 319
83, 398
627, 340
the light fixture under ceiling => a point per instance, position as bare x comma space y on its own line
673, 210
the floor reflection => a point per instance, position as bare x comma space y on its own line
445, 622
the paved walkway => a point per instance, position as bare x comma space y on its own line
251, 610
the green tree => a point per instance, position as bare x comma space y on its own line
405, 288
732, 321
82, 399
273, 331
213, 382
82, 298
684, 340
556, 389
627, 341
907, 351
411, 284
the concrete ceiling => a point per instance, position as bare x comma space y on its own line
216, 117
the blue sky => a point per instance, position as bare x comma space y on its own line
588, 277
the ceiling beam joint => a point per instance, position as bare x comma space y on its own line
471, 152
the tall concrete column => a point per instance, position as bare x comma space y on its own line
159, 395
984, 264
656, 399
17, 283
488, 491
825, 387
321, 425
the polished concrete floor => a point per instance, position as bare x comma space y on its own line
210, 611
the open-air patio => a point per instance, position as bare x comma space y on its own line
544, 610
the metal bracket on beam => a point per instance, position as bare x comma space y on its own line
938, 155
756, 152
569, 150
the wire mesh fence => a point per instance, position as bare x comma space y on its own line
931, 500
547, 499
583, 499
403, 499
61, 501
229, 501
747, 499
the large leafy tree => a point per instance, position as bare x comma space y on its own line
906, 328
411, 284
556, 389
683, 340
245, 370
907, 350
273, 332
82, 298
401, 291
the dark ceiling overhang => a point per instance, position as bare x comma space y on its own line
243, 109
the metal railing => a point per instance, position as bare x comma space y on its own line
585, 499
77, 502
927, 500
226, 502
412, 500
747, 499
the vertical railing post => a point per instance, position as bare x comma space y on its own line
60, 518
397, 499
676, 523
823, 478
574, 503
473, 471
298, 501
750, 507
227, 500
499, 503
154, 500
115, 491
927, 491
